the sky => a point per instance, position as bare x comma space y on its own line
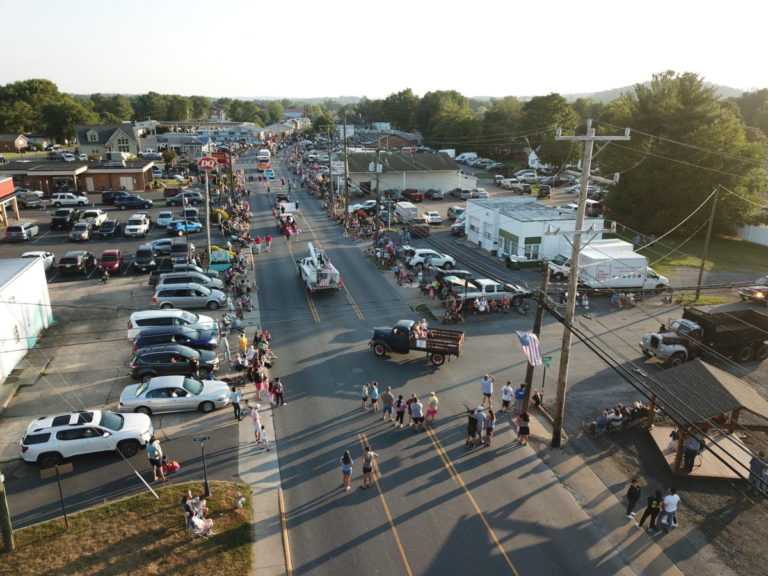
333, 48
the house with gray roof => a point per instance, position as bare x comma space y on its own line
100, 139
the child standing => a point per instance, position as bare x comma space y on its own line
264, 438
399, 411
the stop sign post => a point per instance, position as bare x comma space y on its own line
208, 163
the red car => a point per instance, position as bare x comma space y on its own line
111, 260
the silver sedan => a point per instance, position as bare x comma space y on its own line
174, 394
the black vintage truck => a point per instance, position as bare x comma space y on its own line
401, 339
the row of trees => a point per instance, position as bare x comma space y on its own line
686, 140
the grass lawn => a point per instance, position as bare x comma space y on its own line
139, 535
725, 254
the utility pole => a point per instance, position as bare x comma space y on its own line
536, 330
346, 173
573, 277
706, 243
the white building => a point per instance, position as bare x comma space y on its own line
25, 308
523, 229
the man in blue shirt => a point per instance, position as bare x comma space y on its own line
519, 397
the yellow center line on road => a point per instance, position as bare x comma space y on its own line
390, 519
455, 474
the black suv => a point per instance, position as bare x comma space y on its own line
109, 196
109, 229
164, 359
77, 262
64, 218
144, 259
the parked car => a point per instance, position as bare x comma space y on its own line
418, 228
109, 196
188, 296
144, 259
164, 217
455, 211
162, 246
459, 227
193, 198
181, 227
81, 232
521, 188
434, 194
132, 201
145, 318
184, 335
166, 359
479, 193
461, 193
369, 207
175, 393
109, 229
414, 195
111, 261
64, 218
189, 277
60, 199
50, 440
195, 268
433, 217
27, 200
77, 262
49, 260
94, 217
421, 257
22, 231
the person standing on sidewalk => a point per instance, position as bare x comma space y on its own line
277, 390
507, 392
235, 396
652, 508
264, 438
669, 506
519, 398
486, 385
633, 495
255, 419
155, 457
225, 348
525, 428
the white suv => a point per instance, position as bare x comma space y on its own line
51, 439
68, 199
421, 256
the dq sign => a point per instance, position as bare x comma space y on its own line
207, 163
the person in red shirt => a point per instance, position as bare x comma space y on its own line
257, 242
268, 241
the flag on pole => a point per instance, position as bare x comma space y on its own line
530, 344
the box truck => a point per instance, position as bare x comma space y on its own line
406, 211
608, 266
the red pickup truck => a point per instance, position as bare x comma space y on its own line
413, 195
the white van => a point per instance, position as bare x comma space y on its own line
464, 157
175, 317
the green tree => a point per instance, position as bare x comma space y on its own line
370, 110
685, 143
17, 117
501, 125
201, 107
276, 112
112, 109
62, 118
754, 109
542, 115
21, 103
399, 109
178, 108
150, 105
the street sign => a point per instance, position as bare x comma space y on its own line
201, 438
546, 360
207, 163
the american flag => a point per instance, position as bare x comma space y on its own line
530, 344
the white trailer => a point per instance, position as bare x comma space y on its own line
406, 211
317, 272
610, 265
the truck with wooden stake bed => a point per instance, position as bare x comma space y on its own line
407, 335
737, 334
317, 272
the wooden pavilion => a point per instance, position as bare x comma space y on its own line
701, 398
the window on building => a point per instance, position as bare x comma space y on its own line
92, 137
123, 144
531, 247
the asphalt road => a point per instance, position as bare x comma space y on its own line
437, 507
